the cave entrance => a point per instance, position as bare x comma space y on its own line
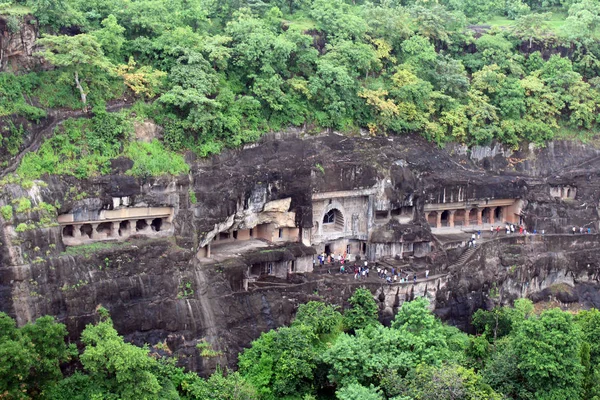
431, 219
327, 249
498, 214
140, 225
86, 230
105, 228
156, 224
445, 217
255, 270
68, 231
124, 227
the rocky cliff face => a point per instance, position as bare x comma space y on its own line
159, 293
17, 43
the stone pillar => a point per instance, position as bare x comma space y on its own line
427, 217
451, 218
77, 231
94, 232
114, 229
492, 215
479, 216
208, 250
438, 221
467, 216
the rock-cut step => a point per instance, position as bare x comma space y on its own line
464, 257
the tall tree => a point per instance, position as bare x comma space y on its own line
79, 56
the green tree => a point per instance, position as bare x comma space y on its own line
31, 356
111, 38
363, 310
532, 27
324, 319
80, 56
540, 360
355, 391
112, 368
55, 13
448, 382
281, 362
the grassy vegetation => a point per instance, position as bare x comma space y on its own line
153, 159
84, 148
16, 10
555, 23
87, 250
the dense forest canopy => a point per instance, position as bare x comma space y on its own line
518, 353
218, 74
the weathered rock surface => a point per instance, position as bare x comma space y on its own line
158, 291
17, 43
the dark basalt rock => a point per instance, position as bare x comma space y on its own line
141, 282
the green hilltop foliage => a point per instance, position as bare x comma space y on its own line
219, 74
515, 354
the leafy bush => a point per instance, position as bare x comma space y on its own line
23, 205
7, 212
152, 159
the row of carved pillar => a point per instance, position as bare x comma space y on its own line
467, 212
103, 230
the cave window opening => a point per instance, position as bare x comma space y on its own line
235, 234
396, 211
381, 214
280, 233
327, 249
364, 248
223, 235
86, 230
293, 266
498, 213
123, 227
329, 217
251, 233
105, 227
333, 220
568, 193
156, 224
140, 225
68, 231
348, 249
270, 269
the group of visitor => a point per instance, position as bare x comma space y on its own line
331, 258
582, 230
397, 275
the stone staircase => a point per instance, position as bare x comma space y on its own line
464, 257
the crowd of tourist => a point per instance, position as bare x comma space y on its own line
362, 269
